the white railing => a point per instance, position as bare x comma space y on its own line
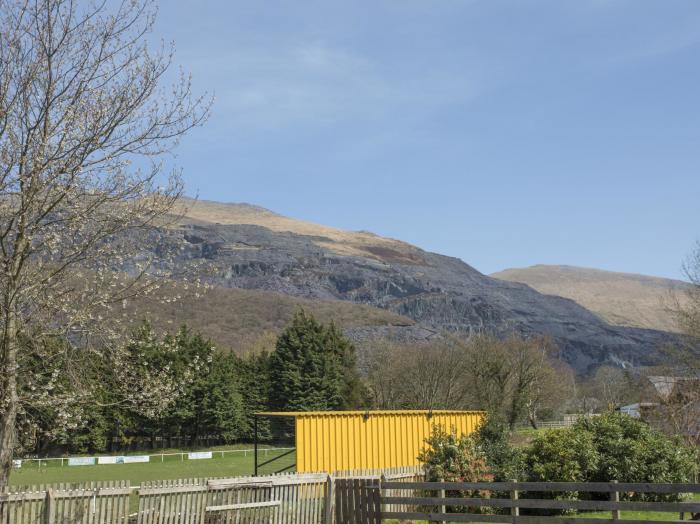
156, 457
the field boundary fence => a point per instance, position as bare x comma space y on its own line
368, 501
344, 497
286, 498
98, 460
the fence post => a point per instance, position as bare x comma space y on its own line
382, 480
49, 507
514, 494
330, 496
615, 497
443, 508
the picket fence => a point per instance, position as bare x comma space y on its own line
93, 503
306, 498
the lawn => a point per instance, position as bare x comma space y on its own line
160, 468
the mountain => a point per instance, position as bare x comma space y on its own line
623, 299
248, 247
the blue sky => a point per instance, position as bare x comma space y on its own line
506, 133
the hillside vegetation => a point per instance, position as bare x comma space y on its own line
623, 299
242, 319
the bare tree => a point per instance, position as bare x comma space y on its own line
517, 377
84, 124
552, 390
419, 375
613, 386
679, 387
688, 311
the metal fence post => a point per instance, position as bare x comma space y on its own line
514, 494
615, 497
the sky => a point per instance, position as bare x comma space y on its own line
505, 133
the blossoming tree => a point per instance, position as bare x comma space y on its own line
84, 123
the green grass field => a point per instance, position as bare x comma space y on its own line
169, 467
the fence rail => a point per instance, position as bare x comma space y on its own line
468, 508
153, 457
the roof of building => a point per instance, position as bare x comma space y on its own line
365, 413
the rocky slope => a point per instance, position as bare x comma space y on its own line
252, 248
619, 298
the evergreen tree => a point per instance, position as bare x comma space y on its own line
313, 368
255, 388
213, 405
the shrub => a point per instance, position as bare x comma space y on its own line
632, 451
610, 447
504, 460
563, 455
452, 458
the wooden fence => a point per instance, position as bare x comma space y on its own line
277, 499
514, 502
280, 499
359, 497
90, 503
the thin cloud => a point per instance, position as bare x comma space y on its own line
316, 84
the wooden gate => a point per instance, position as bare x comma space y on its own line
357, 501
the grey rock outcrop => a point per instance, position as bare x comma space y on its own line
440, 293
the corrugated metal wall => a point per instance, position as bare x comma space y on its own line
343, 440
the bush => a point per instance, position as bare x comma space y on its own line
610, 447
562, 455
452, 458
632, 451
493, 437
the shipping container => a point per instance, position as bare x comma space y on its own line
355, 440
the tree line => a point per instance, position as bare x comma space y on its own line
167, 390
163, 390
210, 392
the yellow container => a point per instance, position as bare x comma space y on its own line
349, 440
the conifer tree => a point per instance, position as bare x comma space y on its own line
313, 368
255, 388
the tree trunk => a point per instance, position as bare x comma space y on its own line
8, 368
533, 420
532, 415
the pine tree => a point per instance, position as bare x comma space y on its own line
255, 387
215, 402
313, 368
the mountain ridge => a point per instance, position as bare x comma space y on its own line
248, 247
626, 299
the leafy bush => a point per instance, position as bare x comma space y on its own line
610, 447
632, 451
562, 455
452, 458
504, 460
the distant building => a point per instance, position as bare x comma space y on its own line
638, 409
676, 409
